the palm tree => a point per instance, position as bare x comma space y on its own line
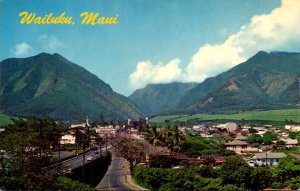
173, 136
154, 137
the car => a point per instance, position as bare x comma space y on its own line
89, 158
96, 152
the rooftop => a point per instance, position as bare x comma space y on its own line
236, 142
269, 155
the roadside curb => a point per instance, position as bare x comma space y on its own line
128, 180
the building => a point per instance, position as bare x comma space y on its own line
67, 139
231, 127
106, 132
241, 138
293, 128
260, 159
240, 147
260, 130
82, 125
290, 142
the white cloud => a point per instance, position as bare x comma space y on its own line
146, 72
22, 49
265, 32
50, 43
278, 30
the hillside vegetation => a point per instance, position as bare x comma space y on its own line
50, 85
266, 81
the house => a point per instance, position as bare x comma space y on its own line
81, 125
293, 128
205, 135
231, 127
241, 138
260, 159
67, 139
107, 132
260, 130
240, 147
290, 142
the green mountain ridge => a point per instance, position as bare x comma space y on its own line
156, 98
266, 81
51, 85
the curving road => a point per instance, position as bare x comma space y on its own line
115, 177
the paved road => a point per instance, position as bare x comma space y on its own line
75, 162
64, 154
114, 178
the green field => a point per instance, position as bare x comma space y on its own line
271, 115
4, 119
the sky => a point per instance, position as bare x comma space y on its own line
154, 41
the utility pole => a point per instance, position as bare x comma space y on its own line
83, 160
59, 150
106, 142
266, 158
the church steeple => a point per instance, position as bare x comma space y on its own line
87, 121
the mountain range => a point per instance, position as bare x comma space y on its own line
265, 81
51, 85
157, 98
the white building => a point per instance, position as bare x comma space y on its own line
260, 130
108, 132
67, 139
260, 159
85, 124
228, 126
293, 128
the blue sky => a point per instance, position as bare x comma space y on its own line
154, 41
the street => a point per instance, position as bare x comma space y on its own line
75, 162
114, 178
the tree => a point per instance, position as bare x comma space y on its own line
261, 178
268, 137
235, 171
83, 139
154, 137
176, 137
100, 141
27, 145
295, 135
254, 138
133, 150
288, 167
160, 157
280, 142
171, 137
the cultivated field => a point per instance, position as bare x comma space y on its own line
271, 115
4, 119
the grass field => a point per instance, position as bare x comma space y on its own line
4, 119
271, 115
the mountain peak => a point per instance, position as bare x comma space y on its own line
268, 80
42, 54
49, 84
261, 53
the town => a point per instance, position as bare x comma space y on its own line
176, 149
